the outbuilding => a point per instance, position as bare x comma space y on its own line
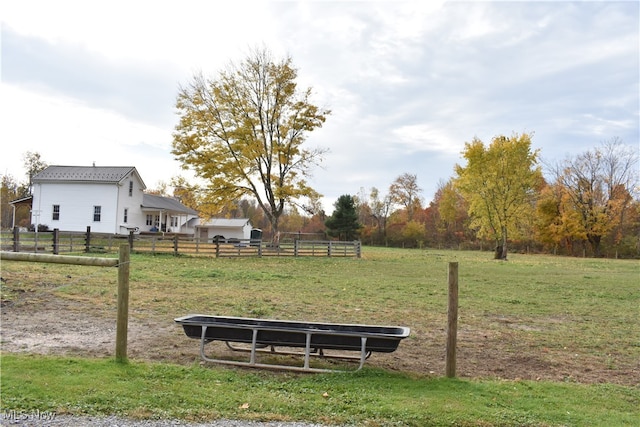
223, 229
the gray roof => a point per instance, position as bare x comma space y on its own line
105, 174
151, 201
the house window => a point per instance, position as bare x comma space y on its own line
126, 215
149, 220
56, 213
130, 189
174, 221
97, 210
156, 221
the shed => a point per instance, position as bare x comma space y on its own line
223, 229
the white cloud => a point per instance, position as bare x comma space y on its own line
426, 137
67, 132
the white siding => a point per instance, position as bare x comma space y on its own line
136, 218
76, 203
229, 232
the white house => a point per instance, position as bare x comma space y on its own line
108, 199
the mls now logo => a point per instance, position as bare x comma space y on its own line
14, 415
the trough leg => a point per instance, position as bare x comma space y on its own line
254, 341
202, 341
307, 351
363, 352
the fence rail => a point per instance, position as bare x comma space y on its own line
57, 242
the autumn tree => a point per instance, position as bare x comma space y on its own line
8, 192
451, 213
413, 234
405, 191
343, 223
498, 182
33, 164
380, 210
551, 227
243, 134
185, 192
596, 190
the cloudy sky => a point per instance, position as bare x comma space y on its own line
408, 82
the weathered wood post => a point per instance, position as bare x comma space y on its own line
130, 239
56, 241
175, 245
452, 324
87, 240
16, 239
123, 304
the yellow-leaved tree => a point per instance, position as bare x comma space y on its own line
597, 190
499, 183
243, 134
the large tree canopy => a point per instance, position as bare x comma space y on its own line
243, 134
498, 182
406, 192
592, 194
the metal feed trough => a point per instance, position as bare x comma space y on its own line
265, 335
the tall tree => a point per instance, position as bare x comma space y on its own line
451, 213
405, 191
598, 187
243, 133
498, 182
8, 192
33, 164
343, 223
380, 209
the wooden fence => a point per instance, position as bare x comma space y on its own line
73, 242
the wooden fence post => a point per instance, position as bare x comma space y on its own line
123, 304
87, 240
130, 239
16, 239
56, 241
175, 245
452, 324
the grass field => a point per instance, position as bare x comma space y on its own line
542, 340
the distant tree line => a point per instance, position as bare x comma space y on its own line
585, 205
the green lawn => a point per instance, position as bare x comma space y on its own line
371, 397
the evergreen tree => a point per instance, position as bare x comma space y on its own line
343, 223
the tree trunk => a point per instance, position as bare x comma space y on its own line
498, 253
504, 244
595, 240
501, 247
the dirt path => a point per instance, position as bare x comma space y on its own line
46, 324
